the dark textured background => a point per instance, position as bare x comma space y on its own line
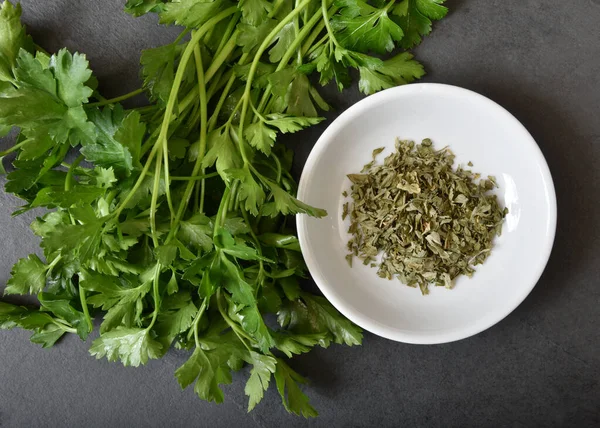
539, 367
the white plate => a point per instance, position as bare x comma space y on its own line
476, 129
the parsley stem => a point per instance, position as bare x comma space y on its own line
154, 199
220, 217
69, 179
195, 177
52, 264
203, 132
278, 163
155, 295
221, 57
117, 99
170, 107
63, 327
308, 45
84, 306
240, 333
316, 45
181, 36
327, 24
15, 147
297, 30
263, 46
285, 59
203, 117
261, 270
197, 320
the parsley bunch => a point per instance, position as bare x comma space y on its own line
173, 221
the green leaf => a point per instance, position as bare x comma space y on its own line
33, 72
232, 278
142, 7
133, 346
261, 74
37, 105
71, 73
190, 13
209, 370
290, 124
12, 316
28, 276
108, 151
249, 191
172, 286
260, 136
166, 254
316, 315
36, 147
284, 39
12, 38
415, 18
398, 70
73, 239
62, 308
362, 27
277, 240
255, 11
222, 151
260, 375
130, 134
236, 226
105, 177
111, 290
236, 248
294, 400
252, 322
158, 71
297, 93
197, 232
329, 68
177, 314
296, 344
47, 336
122, 314
250, 36
48, 196
2, 170
286, 204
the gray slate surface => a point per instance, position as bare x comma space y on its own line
539, 367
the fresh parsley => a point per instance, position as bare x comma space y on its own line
172, 223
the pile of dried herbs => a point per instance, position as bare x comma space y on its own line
431, 223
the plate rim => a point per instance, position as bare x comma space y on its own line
366, 322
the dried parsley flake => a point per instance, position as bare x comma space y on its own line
430, 222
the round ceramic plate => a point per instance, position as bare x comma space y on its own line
476, 129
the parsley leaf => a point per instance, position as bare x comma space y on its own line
286, 204
260, 375
249, 192
364, 28
158, 70
294, 400
133, 346
196, 231
190, 13
12, 38
260, 136
28, 276
141, 7
415, 18
398, 70
209, 369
